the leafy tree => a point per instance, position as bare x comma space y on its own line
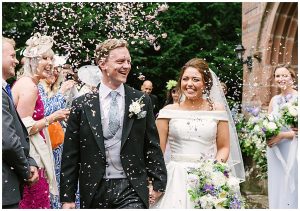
198, 29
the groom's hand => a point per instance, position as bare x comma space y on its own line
154, 196
68, 205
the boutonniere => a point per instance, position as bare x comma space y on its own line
135, 108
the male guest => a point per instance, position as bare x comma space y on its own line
147, 88
17, 166
111, 142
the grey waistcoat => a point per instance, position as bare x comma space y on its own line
114, 169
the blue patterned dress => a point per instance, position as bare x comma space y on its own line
52, 104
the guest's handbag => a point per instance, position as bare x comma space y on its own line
56, 134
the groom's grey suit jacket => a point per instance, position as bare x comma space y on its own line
84, 152
15, 153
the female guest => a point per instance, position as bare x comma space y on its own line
172, 97
52, 90
38, 65
282, 150
198, 127
172, 94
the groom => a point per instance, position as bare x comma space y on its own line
111, 142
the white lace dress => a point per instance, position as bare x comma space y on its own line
283, 168
192, 135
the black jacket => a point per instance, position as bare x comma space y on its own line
84, 152
15, 153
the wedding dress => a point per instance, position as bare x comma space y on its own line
283, 168
192, 135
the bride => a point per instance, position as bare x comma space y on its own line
198, 127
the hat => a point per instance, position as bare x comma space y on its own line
90, 74
37, 45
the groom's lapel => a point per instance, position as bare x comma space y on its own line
127, 122
93, 114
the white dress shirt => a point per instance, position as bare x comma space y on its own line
105, 98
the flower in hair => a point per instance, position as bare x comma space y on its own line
171, 84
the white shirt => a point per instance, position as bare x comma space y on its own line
4, 83
105, 98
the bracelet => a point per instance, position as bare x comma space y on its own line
46, 122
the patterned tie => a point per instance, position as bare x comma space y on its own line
7, 88
114, 122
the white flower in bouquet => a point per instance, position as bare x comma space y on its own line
271, 118
233, 184
293, 110
271, 126
218, 179
253, 119
193, 180
207, 201
257, 129
260, 144
265, 123
207, 167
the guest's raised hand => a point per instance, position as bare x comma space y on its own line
34, 175
67, 85
59, 115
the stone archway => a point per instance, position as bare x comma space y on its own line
270, 33
285, 38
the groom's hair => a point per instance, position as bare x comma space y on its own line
103, 49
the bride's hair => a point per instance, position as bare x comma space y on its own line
202, 66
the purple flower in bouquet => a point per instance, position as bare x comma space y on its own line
226, 173
255, 111
209, 189
235, 203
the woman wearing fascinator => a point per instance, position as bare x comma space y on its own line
198, 127
38, 65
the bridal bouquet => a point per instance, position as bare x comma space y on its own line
213, 187
289, 113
